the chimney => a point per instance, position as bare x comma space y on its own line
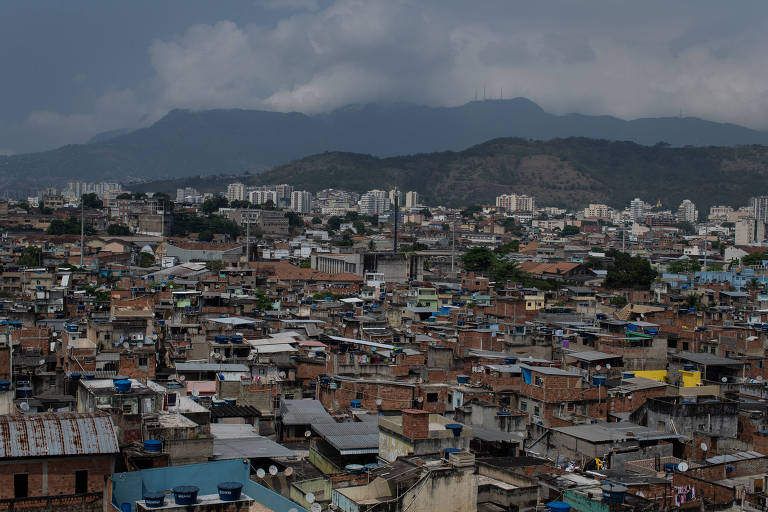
415, 424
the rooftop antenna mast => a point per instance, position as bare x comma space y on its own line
397, 217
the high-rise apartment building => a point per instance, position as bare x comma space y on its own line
516, 203
411, 199
760, 206
235, 192
262, 195
301, 201
687, 212
374, 202
637, 209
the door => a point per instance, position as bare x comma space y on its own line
20, 485
81, 481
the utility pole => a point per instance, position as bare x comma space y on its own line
397, 217
453, 244
82, 231
248, 237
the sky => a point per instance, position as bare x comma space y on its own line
70, 69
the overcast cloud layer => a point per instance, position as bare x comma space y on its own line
74, 73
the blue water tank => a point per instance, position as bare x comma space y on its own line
558, 506
354, 469
220, 338
355, 404
627, 375
230, 491
449, 451
599, 380
153, 445
185, 494
122, 385
5, 385
462, 379
153, 499
456, 428
236, 338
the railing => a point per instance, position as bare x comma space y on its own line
51, 501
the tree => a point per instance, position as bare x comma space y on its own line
619, 301
215, 265
570, 230
91, 200
124, 195
146, 259
118, 230
478, 259
628, 271
212, 205
317, 220
294, 220
262, 302
755, 258
70, 226
508, 247
237, 203
470, 211
683, 266
426, 213
31, 256
507, 270
334, 223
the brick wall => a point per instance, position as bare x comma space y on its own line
61, 475
415, 424
553, 388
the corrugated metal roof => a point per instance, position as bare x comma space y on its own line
350, 438
304, 412
54, 434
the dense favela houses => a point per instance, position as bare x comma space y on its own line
368, 352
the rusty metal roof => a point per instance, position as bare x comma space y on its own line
55, 434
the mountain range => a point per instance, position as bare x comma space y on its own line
190, 143
570, 172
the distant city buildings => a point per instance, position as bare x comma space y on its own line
516, 203
637, 208
597, 211
301, 201
235, 192
75, 189
687, 212
374, 202
411, 199
720, 212
188, 195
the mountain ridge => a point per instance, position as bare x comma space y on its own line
190, 143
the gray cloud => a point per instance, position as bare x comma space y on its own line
704, 58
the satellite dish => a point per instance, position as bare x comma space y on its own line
288, 471
420, 399
703, 447
598, 367
316, 507
260, 473
310, 497
42, 362
308, 433
182, 378
608, 366
724, 380
282, 375
378, 401
682, 467
759, 378
24, 406
126, 344
273, 470
195, 392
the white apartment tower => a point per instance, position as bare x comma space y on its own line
687, 212
235, 192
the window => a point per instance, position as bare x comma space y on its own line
107, 336
536, 411
142, 361
537, 381
358, 395
432, 397
523, 406
81, 481
20, 485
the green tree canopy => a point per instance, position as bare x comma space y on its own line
629, 271
31, 256
212, 205
146, 259
71, 226
478, 259
92, 200
570, 230
118, 230
683, 267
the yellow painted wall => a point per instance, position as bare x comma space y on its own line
690, 379
657, 375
